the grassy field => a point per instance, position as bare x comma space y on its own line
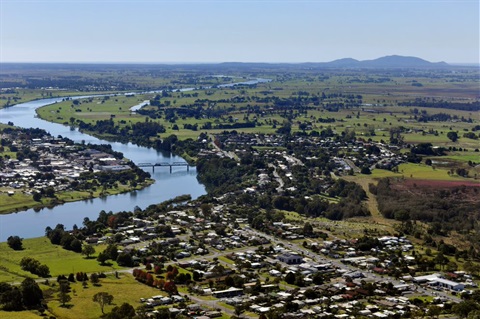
123, 289
26, 95
20, 201
420, 171
20, 314
59, 260
373, 121
16, 202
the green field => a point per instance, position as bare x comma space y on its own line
59, 260
419, 171
373, 121
20, 314
125, 289
20, 201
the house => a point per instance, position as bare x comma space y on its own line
275, 273
290, 258
230, 292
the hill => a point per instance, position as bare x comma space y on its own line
391, 61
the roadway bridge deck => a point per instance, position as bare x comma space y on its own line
164, 164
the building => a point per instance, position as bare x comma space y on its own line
426, 278
231, 292
448, 284
290, 258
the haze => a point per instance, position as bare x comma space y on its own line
245, 31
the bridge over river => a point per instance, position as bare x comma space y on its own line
174, 164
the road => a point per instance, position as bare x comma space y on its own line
231, 155
279, 180
214, 304
368, 275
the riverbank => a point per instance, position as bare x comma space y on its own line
28, 95
21, 202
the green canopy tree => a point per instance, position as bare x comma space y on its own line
103, 299
88, 250
31, 293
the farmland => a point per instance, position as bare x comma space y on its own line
373, 162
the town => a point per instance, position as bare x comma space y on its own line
287, 191
38, 165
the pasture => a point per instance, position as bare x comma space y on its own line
42, 250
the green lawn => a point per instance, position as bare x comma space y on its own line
226, 260
20, 201
59, 260
469, 156
16, 202
20, 315
420, 171
124, 289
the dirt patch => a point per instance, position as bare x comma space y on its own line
409, 183
466, 191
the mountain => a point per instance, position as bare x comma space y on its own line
391, 61
397, 61
343, 63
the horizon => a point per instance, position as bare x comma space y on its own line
249, 31
226, 62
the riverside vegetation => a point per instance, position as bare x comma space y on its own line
340, 154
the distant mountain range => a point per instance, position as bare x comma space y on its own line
391, 61
386, 62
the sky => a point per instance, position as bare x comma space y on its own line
158, 31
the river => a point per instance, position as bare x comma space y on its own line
28, 224
31, 223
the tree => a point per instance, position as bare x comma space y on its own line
125, 311
434, 311
464, 308
125, 259
239, 310
11, 299
50, 192
102, 258
31, 293
197, 276
453, 136
76, 245
88, 250
170, 288
365, 170
43, 271
103, 298
286, 128
396, 137
63, 295
474, 314
15, 242
94, 279
37, 196
307, 229
441, 260
290, 278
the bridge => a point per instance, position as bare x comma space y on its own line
174, 164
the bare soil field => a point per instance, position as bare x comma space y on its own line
435, 184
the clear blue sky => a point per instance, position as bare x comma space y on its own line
242, 30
